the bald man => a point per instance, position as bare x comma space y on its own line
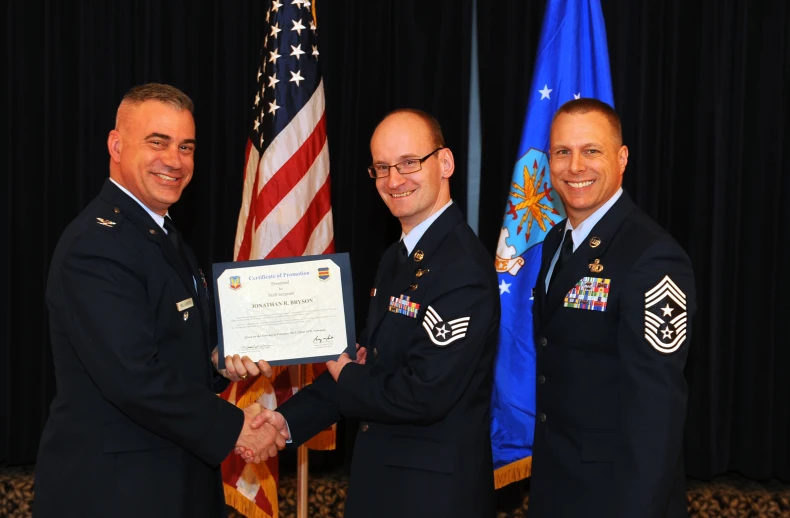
423, 448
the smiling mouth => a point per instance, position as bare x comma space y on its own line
165, 177
402, 194
580, 185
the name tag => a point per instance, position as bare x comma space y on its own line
185, 304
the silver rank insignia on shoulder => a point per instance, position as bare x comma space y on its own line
444, 333
105, 222
665, 316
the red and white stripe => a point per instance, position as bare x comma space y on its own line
286, 207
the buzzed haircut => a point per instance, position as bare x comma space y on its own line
588, 104
434, 128
154, 92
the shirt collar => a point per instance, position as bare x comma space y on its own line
581, 232
160, 220
413, 237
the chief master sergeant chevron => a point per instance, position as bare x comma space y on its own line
614, 302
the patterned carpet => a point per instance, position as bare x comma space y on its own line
728, 496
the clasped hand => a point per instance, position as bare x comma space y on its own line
266, 431
263, 434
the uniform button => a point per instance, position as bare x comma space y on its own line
413, 287
116, 210
364, 427
375, 352
541, 379
542, 417
543, 341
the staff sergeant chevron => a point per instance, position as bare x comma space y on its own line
444, 333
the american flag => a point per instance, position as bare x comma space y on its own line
286, 208
285, 211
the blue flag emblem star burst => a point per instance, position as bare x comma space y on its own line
572, 62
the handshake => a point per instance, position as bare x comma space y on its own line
264, 433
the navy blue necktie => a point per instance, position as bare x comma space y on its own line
175, 238
565, 254
403, 254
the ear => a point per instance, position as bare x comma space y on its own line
622, 158
114, 146
446, 162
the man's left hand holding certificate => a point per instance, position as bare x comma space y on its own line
285, 311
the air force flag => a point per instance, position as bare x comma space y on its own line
572, 62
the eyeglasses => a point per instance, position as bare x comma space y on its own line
408, 166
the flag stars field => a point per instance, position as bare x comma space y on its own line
298, 27
297, 51
296, 77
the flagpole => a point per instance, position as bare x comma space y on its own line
301, 460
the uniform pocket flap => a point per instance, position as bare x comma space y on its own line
418, 453
120, 436
598, 446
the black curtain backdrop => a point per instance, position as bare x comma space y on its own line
702, 89
69, 64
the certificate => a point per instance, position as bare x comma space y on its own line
285, 311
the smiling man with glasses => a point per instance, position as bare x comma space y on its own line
422, 396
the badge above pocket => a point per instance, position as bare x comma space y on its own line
591, 293
404, 306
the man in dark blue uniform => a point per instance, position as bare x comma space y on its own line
423, 449
136, 428
614, 302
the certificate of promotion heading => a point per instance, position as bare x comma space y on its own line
285, 311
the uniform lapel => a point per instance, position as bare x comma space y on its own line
200, 294
383, 286
420, 257
550, 244
578, 265
133, 212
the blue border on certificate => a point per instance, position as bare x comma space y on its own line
341, 260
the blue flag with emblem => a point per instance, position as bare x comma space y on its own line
572, 62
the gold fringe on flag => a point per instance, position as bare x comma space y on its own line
325, 440
246, 506
513, 472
